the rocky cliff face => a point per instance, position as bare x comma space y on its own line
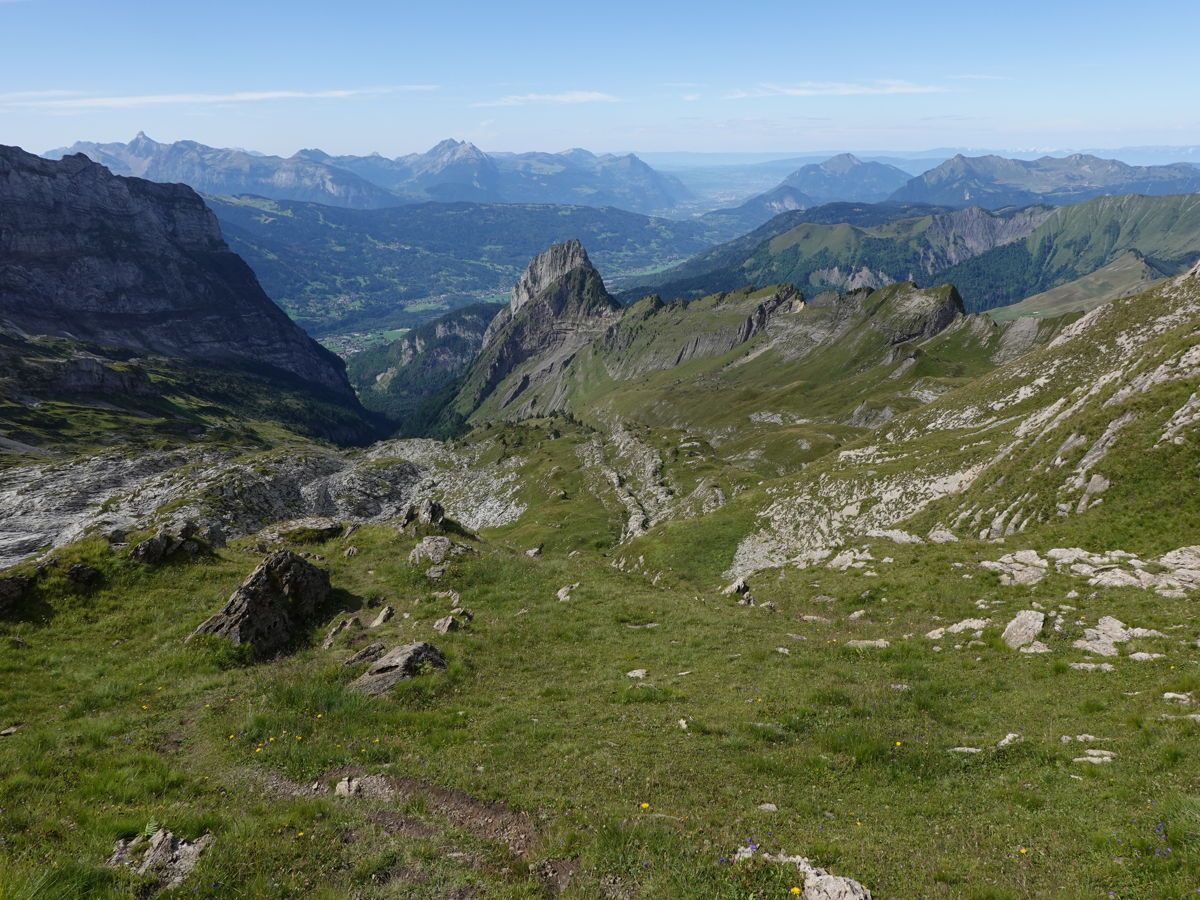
121, 262
559, 305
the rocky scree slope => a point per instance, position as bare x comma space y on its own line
1087, 435
127, 263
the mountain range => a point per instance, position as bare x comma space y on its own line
994, 182
994, 257
450, 171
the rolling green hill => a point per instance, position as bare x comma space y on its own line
993, 258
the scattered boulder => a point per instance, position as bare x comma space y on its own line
564, 593
452, 622
1024, 629
369, 653
738, 587
636, 674
1102, 640
818, 883
14, 589
1092, 667
533, 552
338, 628
396, 666
863, 645
84, 577
974, 625
186, 540
384, 615
428, 513
1096, 757
1024, 567
434, 549
273, 606
164, 857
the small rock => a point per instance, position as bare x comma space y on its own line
768, 807
10, 731
446, 624
1024, 628
856, 615
964, 750
13, 589
1142, 656
738, 587
348, 787
350, 551
384, 615
564, 593
83, 576
164, 857
876, 644
1092, 667
533, 552
1011, 738
636, 674
342, 625
1035, 647
434, 548
1096, 757
369, 653
399, 664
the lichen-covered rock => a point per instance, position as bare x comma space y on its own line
274, 605
397, 665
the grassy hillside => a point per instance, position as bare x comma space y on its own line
1078, 240
1128, 274
994, 259
627, 737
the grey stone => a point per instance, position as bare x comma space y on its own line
273, 606
396, 666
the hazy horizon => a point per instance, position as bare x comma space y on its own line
662, 79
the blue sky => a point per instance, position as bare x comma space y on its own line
748, 76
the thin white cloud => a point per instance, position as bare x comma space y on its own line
837, 89
691, 98
22, 96
73, 101
977, 77
560, 98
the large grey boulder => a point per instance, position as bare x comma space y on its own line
274, 605
397, 665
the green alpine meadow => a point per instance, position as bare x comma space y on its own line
599, 452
